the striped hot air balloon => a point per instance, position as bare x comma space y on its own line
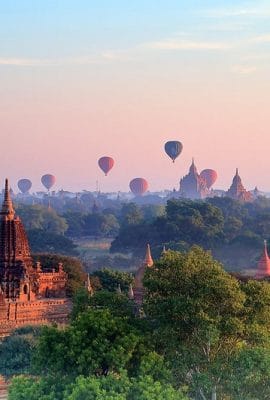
138, 186
48, 181
106, 163
210, 176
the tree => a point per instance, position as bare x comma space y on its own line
41, 241
16, 351
196, 308
110, 279
76, 223
96, 343
40, 217
131, 214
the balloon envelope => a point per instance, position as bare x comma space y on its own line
138, 186
106, 164
48, 181
24, 185
173, 149
210, 176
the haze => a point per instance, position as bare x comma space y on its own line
82, 79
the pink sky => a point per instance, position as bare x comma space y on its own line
60, 117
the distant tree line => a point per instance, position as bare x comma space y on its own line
232, 230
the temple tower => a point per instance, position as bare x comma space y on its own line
16, 267
192, 185
237, 190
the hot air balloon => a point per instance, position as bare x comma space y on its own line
210, 176
106, 164
48, 181
24, 185
173, 149
138, 186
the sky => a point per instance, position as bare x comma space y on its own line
80, 79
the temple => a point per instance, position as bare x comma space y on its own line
28, 294
192, 185
237, 190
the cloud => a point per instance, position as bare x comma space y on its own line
260, 11
46, 62
261, 39
174, 44
26, 62
244, 69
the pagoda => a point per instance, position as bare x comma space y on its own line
138, 291
237, 190
28, 295
192, 185
263, 270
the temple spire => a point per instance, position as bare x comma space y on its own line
148, 261
7, 207
263, 269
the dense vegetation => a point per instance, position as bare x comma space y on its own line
203, 336
233, 231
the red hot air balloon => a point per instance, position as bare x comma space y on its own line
24, 185
138, 186
210, 176
48, 181
106, 164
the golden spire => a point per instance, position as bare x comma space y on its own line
7, 207
148, 261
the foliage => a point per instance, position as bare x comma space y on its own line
16, 351
42, 241
111, 279
42, 218
95, 343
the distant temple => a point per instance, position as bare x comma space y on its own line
192, 185
28, 295
237, 190
138, 291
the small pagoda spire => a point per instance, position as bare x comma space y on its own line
130, 292
7, 207
236, 173
164, 251
89, 286
263, 264
148, 261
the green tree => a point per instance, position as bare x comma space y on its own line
41, 241
16, 351
95, 343
110, 279
40, 217
197, 309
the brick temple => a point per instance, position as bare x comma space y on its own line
28, 294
